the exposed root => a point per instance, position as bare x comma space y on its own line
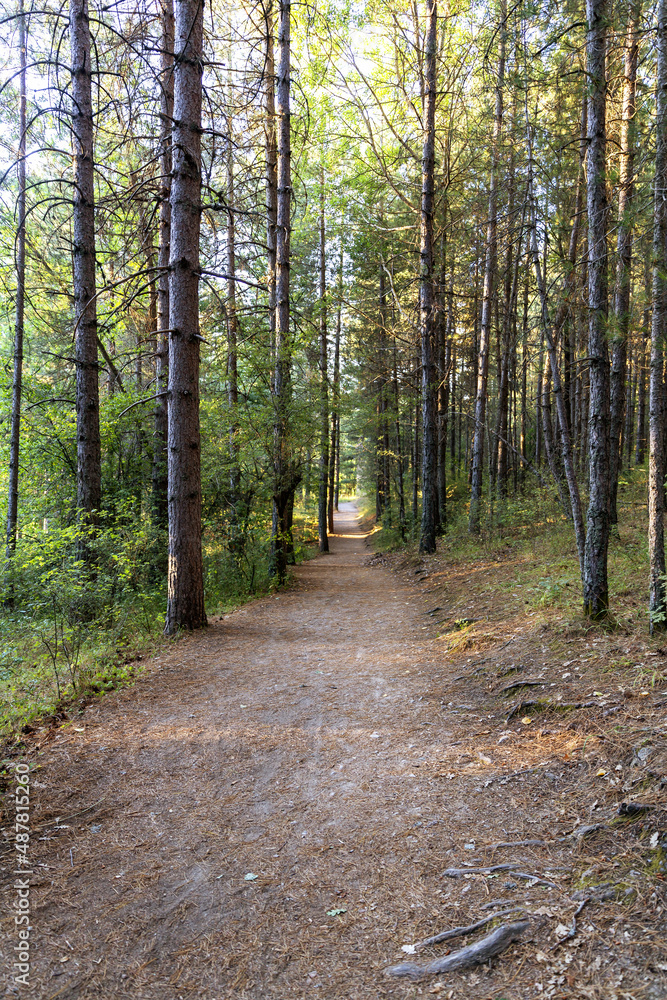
410, 949
474, 954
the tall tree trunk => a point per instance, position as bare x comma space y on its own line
89, 454
596, 590
427, 542
384, 402
415, 471
508, 344
624, 253
524, 375
474, 521
284, 478
399, 451
237, 515
453, 410
324, 382
656, 475
159, 485
185, 581
335, 402
17, 378
440, 346
628, 429
337, 487
382, 497
640, 436
271, 172
569, 329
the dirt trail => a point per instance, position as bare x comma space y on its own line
266, 810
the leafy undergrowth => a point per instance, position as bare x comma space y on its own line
69, 638
564, 721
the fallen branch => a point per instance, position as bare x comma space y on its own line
510, 867
481, 870
517, 843
474, 954
410, 949
573, 929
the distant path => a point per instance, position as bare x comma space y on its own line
283, 742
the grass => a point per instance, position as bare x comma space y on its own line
534, 541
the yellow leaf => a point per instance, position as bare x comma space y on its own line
526, 720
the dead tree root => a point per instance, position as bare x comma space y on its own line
473, 954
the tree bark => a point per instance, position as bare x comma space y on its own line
324, 383
474, 521
399, 451
284, 482
623, 253
427, 540
185, 583
596, 590
415, 471
17, 377
89, 453
159, 472
656, 475
232, 341
335, 402
271, 172
640, 436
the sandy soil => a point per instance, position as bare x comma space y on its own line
268, 811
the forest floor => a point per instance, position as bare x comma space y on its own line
269, 811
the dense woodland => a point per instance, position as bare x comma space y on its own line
258, 256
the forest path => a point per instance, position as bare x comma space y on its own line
284, 742
268, 811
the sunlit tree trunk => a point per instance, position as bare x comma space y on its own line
623, 254
185, 583
322, 511
640, 434
335, 402
596, 590
656, 481
427, 540
474, 521
17, 377
89, 455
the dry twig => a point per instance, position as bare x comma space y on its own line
573, 929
